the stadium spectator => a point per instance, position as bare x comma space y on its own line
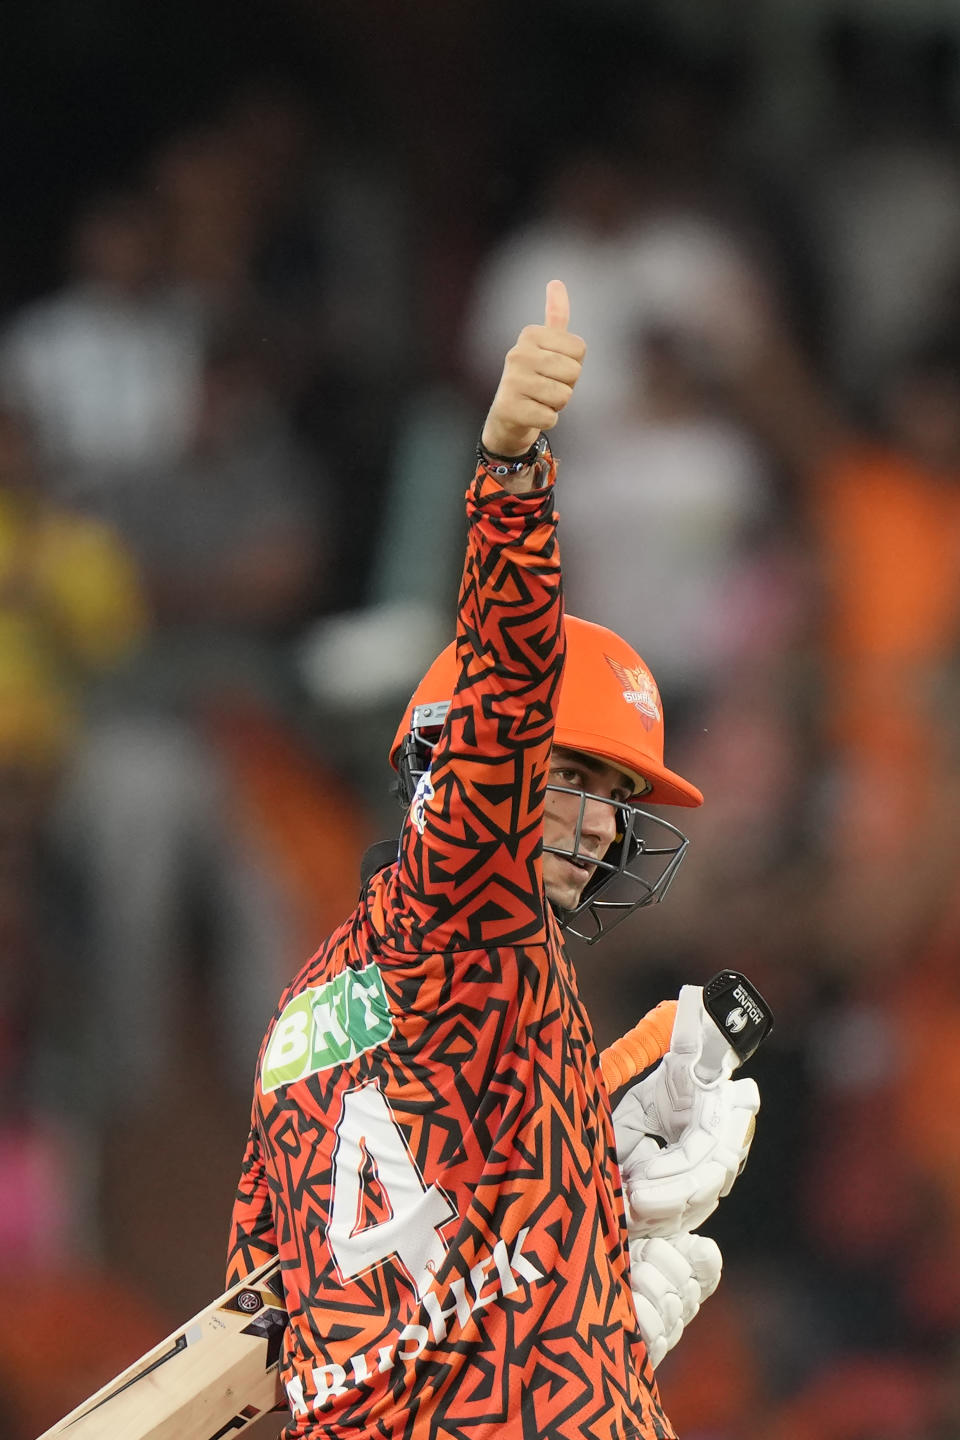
71, 610
105, 370
232, 545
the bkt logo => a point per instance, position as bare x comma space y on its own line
736, 1020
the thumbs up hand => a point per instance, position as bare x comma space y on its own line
538, 377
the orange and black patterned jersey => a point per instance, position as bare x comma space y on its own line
431, 1150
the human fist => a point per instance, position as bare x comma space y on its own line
684, 1132
670, 1279
538, 377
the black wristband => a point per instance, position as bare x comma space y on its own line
512, 464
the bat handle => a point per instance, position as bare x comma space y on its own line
644, 1045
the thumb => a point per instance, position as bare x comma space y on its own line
557, 311
696, 1037
688, 1025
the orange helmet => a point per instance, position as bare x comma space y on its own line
609, 707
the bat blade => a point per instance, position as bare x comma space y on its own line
210, 1379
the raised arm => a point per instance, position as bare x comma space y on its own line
470, 864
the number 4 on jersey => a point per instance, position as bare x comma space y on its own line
366, 1131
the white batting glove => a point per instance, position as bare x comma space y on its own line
702, 1120
670, 1279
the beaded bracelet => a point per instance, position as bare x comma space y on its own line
512, 464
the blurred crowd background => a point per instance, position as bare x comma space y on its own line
258, 270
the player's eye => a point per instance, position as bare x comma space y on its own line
569, 776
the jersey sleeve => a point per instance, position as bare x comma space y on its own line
253, 1235
470, 871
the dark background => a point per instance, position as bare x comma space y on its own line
207, 632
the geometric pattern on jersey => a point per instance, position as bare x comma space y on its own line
446, 1202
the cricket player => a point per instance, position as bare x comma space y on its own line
432, 1152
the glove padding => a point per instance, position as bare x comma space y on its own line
670, 1279
702, 1120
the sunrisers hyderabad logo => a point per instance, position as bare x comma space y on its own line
639, 690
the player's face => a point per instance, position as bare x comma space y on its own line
564, 880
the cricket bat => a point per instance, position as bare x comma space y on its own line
218, 1373
211, 1378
